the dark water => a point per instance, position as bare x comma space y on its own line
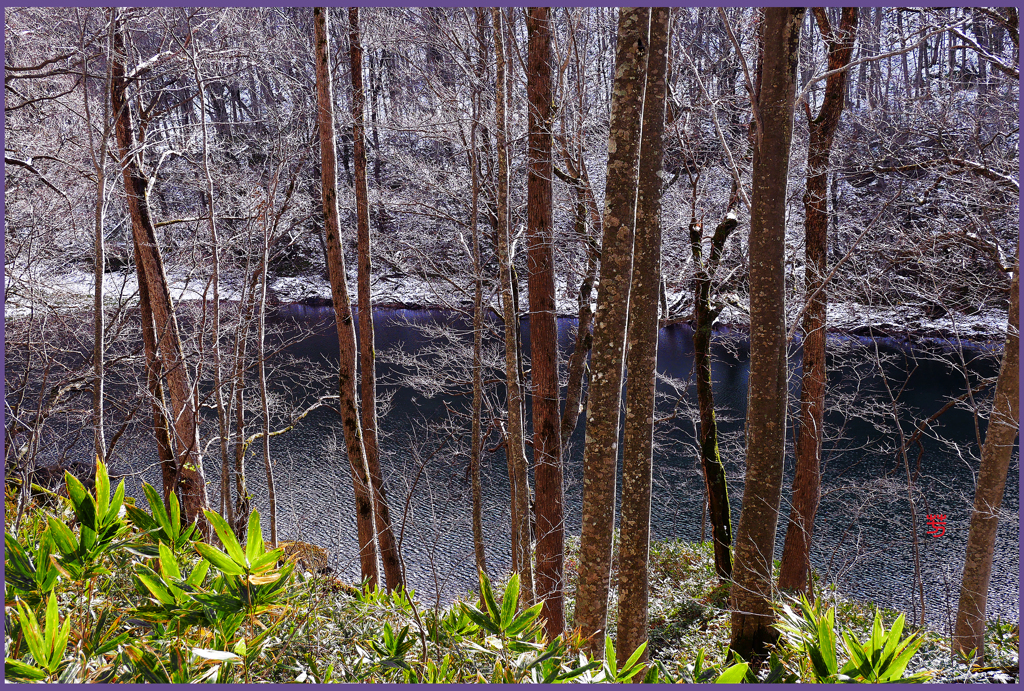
864, 536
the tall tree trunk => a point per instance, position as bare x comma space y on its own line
642, 356
367, 366
100, 167
522, 558
795, 571
223, 416
704, 317
547, 446
261, 362
766, 397
348, 402
476, 433
1003, 425
188, 460
605, 390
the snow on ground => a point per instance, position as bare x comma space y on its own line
73, 290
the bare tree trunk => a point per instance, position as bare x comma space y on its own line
766, 399
154, 380
476, 442
795, 571
547, 447
189, 463
522, 558
261, 361
348, 402
704, 317
642, 356
605, 390
1003, 425
367, 366
100, 167
223, 419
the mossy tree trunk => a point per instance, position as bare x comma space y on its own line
704, 318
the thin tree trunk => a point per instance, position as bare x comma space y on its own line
1003, 426
100, 167
642, 356
704, 317
261, 360
605, 390
476, 442
766, 399
522, 558
348, 402
547, 447
189, 463
367, 365
795, 570
223, 420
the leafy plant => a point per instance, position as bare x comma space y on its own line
161, 526
47, 643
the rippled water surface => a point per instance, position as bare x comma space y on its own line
864, 535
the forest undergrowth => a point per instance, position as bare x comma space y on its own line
99, 590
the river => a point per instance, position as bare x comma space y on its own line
863, 538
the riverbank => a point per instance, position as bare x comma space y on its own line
71, 291
309, 628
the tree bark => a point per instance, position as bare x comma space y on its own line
642, 356
476, 432
766, 398
367, 366
704, 317
522, 558
605, 390
348, 402
795, 571
547, 446
1003, 426
188, 460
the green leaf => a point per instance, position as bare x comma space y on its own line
102, 490
142, 520
509, 601
254, 539
195, 579
115, 505
81, 501
175, 517
168, 564
525, 619
33, 635
609, 658
219, 559
18, 568
154, 584
227, 538
266, 560
733, 675
632, 661
480, 619
156, 505
488, 597
16, 670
